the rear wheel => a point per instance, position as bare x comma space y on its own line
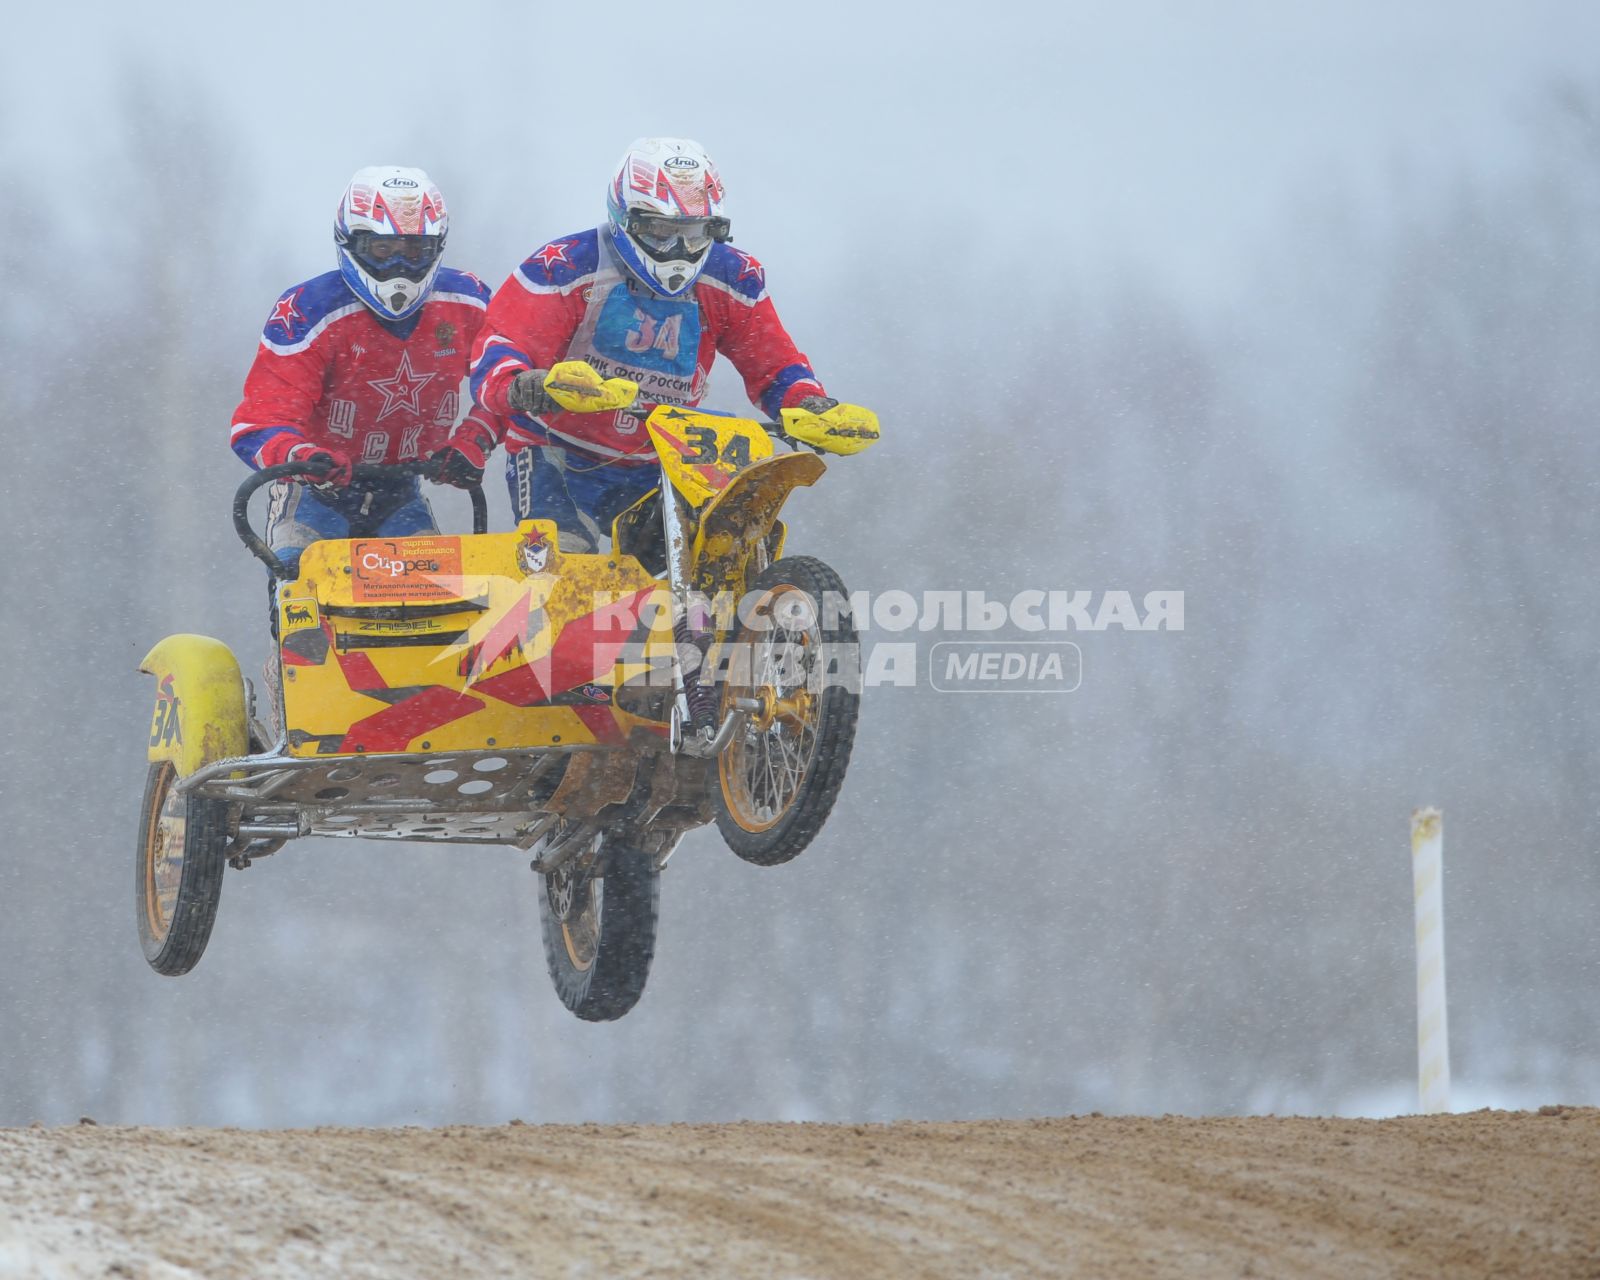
798, 678
600, 931
178, 872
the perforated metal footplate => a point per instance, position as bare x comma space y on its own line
480, 797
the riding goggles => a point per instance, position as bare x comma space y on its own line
386, 256
660, 236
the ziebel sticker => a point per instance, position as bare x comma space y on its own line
395, 569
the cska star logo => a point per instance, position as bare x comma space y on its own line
750, 268
553, 253
403, 390
286, 313
533, 552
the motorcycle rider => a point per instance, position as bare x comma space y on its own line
640, 304
364, 364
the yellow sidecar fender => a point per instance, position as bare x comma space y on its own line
200, 715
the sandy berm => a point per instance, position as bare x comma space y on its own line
1485, 1194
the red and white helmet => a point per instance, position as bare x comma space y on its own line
389, 232
665, 207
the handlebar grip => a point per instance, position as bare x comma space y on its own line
775, 430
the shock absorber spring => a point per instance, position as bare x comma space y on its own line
702, 697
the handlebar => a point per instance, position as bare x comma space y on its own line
427, 468
642, 409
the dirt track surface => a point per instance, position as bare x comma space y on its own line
1492, 1193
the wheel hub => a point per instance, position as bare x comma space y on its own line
559, 887
793, 708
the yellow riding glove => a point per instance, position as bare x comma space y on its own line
845, 428
579, 388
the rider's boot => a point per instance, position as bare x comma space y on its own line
574, 542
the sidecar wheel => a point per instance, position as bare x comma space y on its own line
177, 873
780, 776
600, 932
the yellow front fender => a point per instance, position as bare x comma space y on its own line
200, 715
742, 513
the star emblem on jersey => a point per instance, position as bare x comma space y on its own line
286, 313
749, 267
402, 390
553, 253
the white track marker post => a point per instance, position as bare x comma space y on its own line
1433, 1026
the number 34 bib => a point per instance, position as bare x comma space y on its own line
653, 341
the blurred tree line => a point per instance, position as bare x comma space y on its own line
1184, 887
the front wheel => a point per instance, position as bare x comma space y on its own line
794, 668
178, 872
600, 931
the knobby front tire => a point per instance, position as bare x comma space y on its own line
779, 777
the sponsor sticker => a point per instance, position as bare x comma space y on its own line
405, 569
420, 627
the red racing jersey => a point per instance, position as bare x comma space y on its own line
574, 300
330, 372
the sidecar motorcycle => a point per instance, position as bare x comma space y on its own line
493, 689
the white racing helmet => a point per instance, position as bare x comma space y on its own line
665, 207
389, 233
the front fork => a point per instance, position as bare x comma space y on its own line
694, 701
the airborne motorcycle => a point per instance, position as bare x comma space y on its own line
492, 689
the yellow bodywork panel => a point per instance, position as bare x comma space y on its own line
454, 643
727, 470
741, 515
199, 714
469, 643
702, 452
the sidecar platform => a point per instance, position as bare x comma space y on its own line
480, 797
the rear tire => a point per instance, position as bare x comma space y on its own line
600, 932
177, 872
781, 774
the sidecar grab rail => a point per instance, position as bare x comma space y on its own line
424, 467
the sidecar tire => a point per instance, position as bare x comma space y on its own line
175, 927
599, 957
778, 834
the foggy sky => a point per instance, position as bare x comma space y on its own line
1163, 136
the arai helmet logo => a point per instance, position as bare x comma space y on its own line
398, 182
680, 162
